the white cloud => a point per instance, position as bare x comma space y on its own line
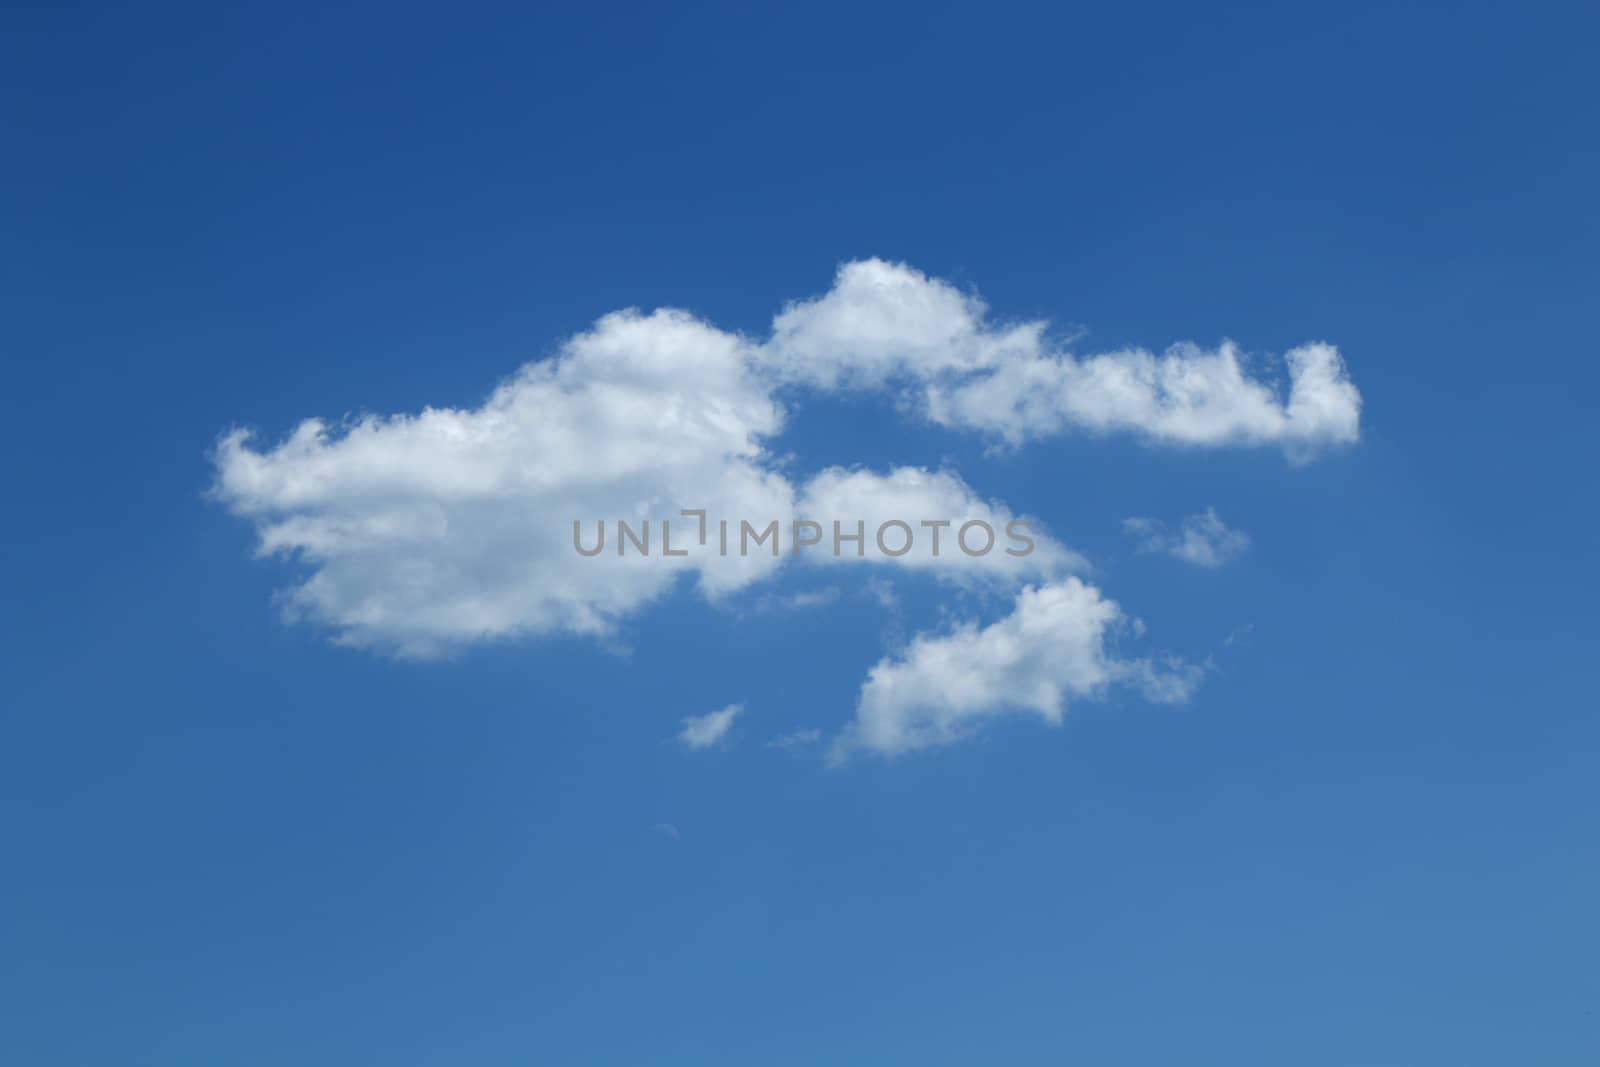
1187, 396
881, 321
914, 496
795, 739
882, 591
421, 533
703, 731
886, 323
798, 601
1203, 539
428, 531
1051, 648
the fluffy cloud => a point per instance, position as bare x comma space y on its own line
888, 324
703, 731
935, 508
884, 321
421, 533
1188, 396
427, 531
1051, 648
1204, 539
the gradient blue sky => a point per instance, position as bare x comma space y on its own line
1369, 837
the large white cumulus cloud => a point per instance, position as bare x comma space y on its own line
429, 530
421, 533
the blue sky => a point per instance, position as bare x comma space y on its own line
1364, 834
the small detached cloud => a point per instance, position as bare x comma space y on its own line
882, 590
703, 731
795, 739
1204, 539
1051, 649
798, 601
